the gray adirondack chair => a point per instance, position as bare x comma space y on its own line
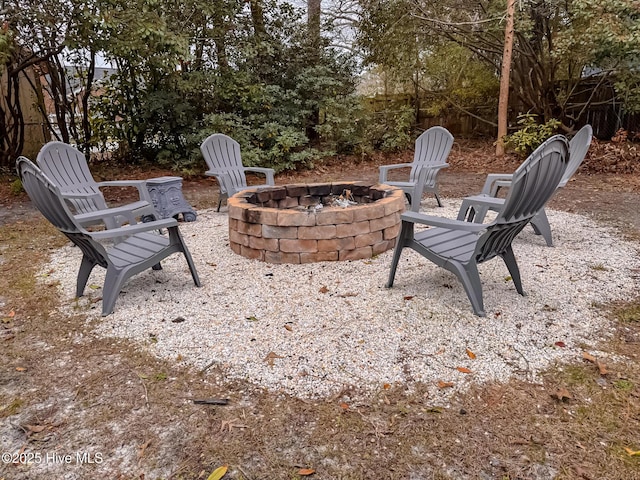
68, 169
459, 246
431, 151
222, 154
475, 208
137, 248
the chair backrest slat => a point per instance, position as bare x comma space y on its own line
222, 152
533, 184
47, 198
431, 148
67, 167
578, 147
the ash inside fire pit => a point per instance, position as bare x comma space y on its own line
304, 223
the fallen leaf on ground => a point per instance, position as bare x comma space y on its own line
306, 471
632, 453
386, 386
472, 355
218, 473
408, 297
323, 289
21, 369
142, 449
560, 344
252, 318
270, 358
602, 368
463, 369
435, 410
562, 394
229, 425
35, 428
442, 384
289, 327
344, 406
588, 357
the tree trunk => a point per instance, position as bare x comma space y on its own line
86, 95
313, 21
503, 102
257, 17
313, 24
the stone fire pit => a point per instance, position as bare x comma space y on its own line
299, 224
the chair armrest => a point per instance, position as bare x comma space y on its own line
414, 217
79, 195
224, 181
384, 170
129, 230
123, 211
483, 200
268, 172
437, 166
141, 185
494, 181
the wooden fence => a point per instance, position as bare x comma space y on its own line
605, 114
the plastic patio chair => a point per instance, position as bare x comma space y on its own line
431, 151
459, 246
222, 154
475, 208
68, 169
136, 248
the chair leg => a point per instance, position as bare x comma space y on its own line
406, 235
394, 265
176, 239
437, 198
113, 282
467, 211
510, 260
83, 275
223, 196
414, 205
540, 224
192, 267
480, 213
470, 279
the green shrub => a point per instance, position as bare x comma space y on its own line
531, 134
16, 187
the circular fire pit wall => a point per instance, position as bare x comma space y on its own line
304, 223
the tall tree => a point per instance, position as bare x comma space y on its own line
47, 37
505, 75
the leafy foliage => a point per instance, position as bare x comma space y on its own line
531, 134
266, 91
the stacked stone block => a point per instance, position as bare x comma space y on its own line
282, 224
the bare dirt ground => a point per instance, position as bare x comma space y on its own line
81, 407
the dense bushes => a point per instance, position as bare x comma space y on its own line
287, 100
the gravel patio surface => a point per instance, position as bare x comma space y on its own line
312, 330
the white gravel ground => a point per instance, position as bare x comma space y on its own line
311, 330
